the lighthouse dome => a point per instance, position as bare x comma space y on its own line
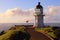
39, 6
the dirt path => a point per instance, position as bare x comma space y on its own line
37, 35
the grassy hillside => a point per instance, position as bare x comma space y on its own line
48, 31
11, 31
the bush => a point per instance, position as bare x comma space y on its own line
15, 33
54, 28
1, 33
57, 33
20, 36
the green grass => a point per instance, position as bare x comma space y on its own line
6, 35
10, 32
48, 31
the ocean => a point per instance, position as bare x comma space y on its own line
6, 26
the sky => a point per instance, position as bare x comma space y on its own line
18, 11
26, 4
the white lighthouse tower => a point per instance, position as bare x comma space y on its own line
39, 16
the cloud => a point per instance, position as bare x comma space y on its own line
52, 14
17, 15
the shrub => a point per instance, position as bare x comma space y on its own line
54, 28
19, 36
15, 34
57, 33
1, 33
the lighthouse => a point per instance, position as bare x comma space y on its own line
39, 16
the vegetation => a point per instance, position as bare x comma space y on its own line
19, 33
53, 32
15, 33
2, 32
47, 30
57, 33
